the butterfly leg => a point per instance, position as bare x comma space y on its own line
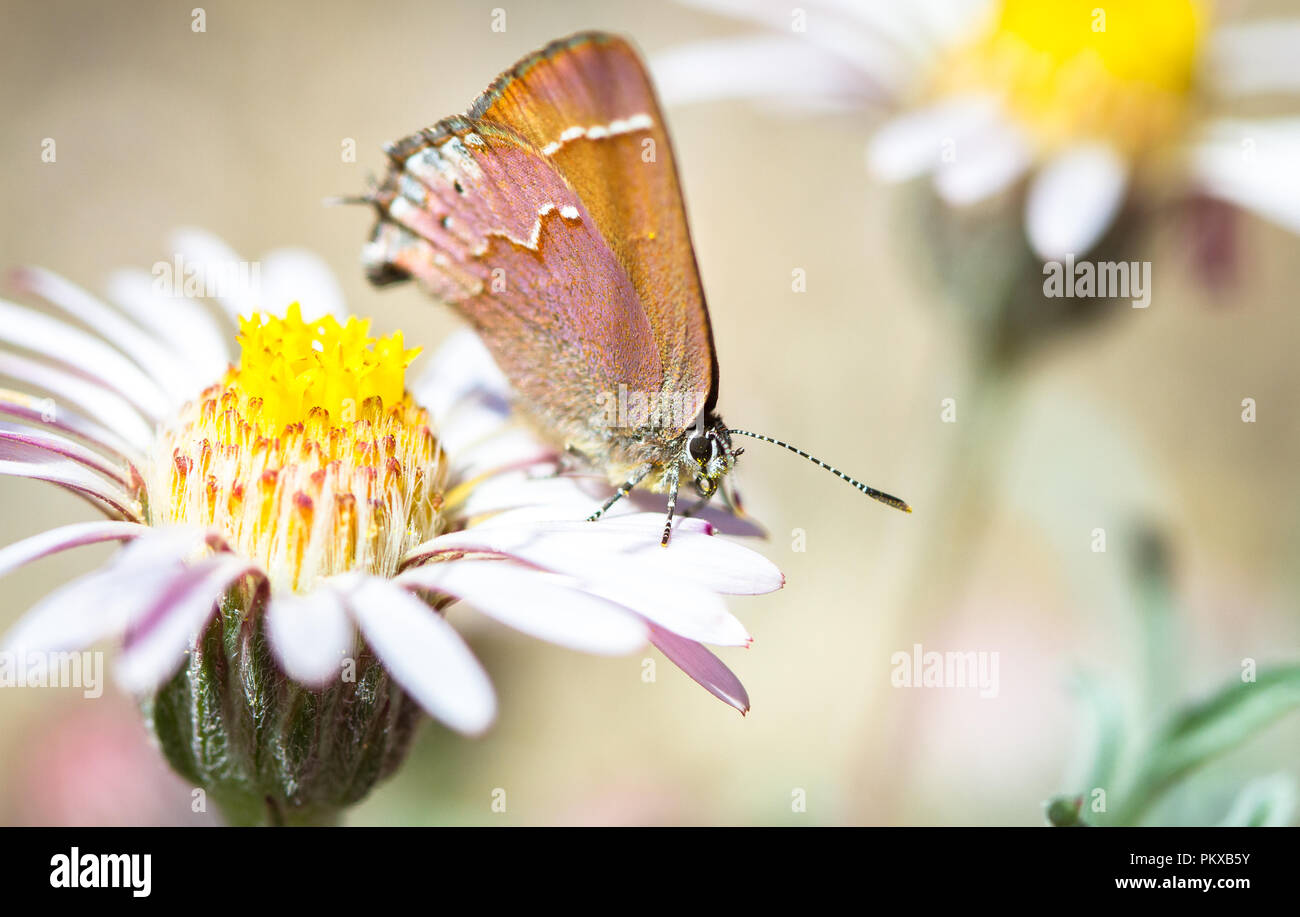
697, 506
672, 504
731, 496
622, 491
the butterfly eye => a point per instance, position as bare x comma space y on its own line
700, 448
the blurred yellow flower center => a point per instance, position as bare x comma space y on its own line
309, 456
1070, 71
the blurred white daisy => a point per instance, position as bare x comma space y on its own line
1088, 101
305, 476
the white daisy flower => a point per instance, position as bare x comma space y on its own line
1088, 102
303, 499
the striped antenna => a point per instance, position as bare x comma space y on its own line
871, 492
344, 200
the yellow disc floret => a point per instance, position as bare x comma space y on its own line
1072, 71
309, 456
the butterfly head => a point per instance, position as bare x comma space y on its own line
708, 454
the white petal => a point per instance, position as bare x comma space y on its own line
1256, 57
536, 603
632, 543
25, 461
672, 587
564, 496
761, 67
1073, 200
515, 448
60, 539
56, 446
460, 366
185, 324
48, 412
86, 610
210, 258
875, 52
104, 602
984, 163
296, 275
914, 144
424, 654
129, 338
78, 351
1252, 163
129, 429
310, 634
173, 621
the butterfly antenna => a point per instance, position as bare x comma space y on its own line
871, 492
350, 199
345, 200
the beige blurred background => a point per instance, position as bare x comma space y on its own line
1136, 420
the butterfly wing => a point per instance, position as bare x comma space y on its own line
588, 104
537, 216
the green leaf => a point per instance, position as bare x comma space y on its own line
1210, 728
1268, 802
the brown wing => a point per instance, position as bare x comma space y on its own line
547, 221
587, 103
486, 224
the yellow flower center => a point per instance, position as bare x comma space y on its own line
1120, 72
309, 456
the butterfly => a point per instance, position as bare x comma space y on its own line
549, 216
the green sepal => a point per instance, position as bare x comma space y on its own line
266, 749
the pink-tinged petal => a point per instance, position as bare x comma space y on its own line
24, 552
60, 446
632, 543
83, 612
105, 602
681, 607
605, 557
129, 338
1251, 163
23, 461
310, 634
292, 275
183, 324
537, 603
1073, 200
172, 621
80, 352
118, 426
707, 669
424, 654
